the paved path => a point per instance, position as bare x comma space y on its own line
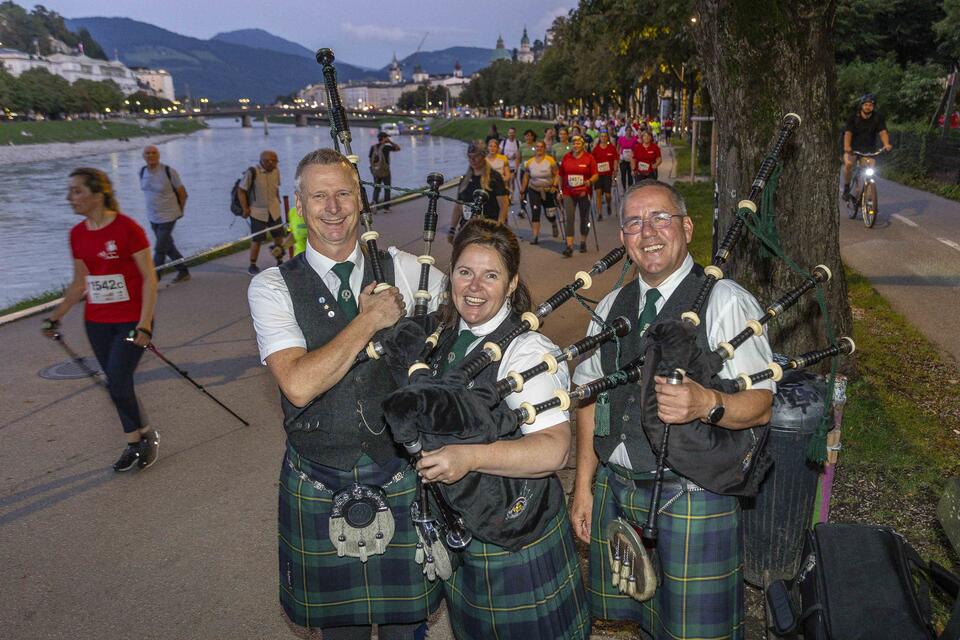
912, 257
186, 549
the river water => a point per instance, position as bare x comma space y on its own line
35, 218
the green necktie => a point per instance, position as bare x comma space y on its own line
649, 313
459, 349
345, 296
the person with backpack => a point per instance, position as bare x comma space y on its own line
380, 168
259, 194
165, 198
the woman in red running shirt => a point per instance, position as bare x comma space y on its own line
646, 158
112, 266
606, 156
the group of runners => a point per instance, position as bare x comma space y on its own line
567, 170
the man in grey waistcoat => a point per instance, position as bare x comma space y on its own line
346, 540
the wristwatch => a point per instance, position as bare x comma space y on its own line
715, 414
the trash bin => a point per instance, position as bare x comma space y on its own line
775, 520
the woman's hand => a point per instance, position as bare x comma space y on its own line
447, 464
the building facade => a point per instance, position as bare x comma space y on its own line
73, 67
159, 80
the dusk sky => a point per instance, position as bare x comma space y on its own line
361, 32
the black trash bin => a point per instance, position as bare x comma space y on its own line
775, 520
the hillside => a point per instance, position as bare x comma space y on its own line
260, 39
218, 70
472, 59
44, 29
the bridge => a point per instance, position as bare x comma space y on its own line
301, 116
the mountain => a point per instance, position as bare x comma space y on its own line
472, 59
260, 39
214, 69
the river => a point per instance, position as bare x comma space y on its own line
35, 218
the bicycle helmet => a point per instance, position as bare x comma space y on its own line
867, 97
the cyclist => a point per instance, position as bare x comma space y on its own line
861, 133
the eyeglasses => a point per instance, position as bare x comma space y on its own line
658, 220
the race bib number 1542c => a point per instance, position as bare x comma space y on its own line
107, 289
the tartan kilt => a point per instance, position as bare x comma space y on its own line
701, 590
535, 593
319, 589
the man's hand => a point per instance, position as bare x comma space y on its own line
888, 147
447, 464
50, 327
581, 514
385, 308
682, 403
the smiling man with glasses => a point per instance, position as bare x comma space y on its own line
701, 586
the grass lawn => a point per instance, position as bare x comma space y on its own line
20, 132
901, 423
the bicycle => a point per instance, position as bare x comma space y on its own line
862, 199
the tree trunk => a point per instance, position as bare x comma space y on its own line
760, 61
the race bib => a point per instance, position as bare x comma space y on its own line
626, 155
603, 167
107, 289
642, 166
575, 181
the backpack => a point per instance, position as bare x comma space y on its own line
176, 194
379, 166
235, 207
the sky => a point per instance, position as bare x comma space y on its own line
361, 32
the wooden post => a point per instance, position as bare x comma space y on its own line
694, 134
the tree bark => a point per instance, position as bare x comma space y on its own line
761, 60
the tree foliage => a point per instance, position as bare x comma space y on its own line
40, 92
39, 28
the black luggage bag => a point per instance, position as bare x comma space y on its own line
862, 582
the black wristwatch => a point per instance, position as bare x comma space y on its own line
715, 415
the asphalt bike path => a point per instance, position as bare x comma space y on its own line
912, 257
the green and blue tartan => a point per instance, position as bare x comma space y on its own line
318, 589
701, 593
535, 593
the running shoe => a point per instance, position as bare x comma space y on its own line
128, 458
253, 269
182, 276
567, 252
149, 449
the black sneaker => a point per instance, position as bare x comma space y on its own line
253, 269
583, 247
521, 213
149, 449
567, 252
129, 457
535, 241
182, 276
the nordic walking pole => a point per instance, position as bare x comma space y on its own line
186, 377
58, 338
593, 224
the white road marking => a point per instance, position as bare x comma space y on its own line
950, 243
906, 221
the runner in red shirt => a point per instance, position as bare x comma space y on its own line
578, 172
606, 157
112, 266
646, 158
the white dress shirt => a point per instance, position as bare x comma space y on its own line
272, 307
524, 352
729, 308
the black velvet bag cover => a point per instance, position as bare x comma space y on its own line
724, 461
508, 512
